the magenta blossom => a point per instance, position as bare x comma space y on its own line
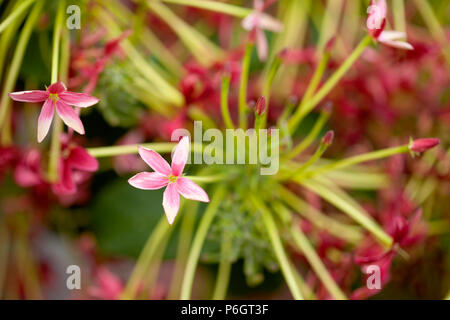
74, 164
422, 145
56, 96
257, 22
171, 177
376, 22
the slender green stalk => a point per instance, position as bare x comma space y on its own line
274, 236
205, 51
102, 152
312, 85
398, 11
436, 29
184, 242
223, 276
348, 162
314, 260
273, 69
243, 86
224, 101
155, 239
15, 14
312, 135
329, 84
214, 6
197, 244
360, 216
338, 229
5, 102
211, 178
55, 147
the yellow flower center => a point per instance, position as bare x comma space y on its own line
54, 97
172, 179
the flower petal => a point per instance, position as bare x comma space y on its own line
69, 116
148, 181
65, 185
180, 156
171, 202
261, 44
155, 161
267, 22
191, 190
45, 119
29, 96
249, 22
81, 100
57, 87
80, 159
398, 44
391, 35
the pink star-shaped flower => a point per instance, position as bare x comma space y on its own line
170, 176
56, 96
257, 22
376, 21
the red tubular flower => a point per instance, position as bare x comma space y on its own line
56, 96
422, 145
376, 22
74, 160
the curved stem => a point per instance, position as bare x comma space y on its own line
156, 237
303, 244
379, 154
223, 276
214, 6
285, 265
329, 84
197, 244
224, 102
5, 102
15, 14
243, 86
184, 242
55, 147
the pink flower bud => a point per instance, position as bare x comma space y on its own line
328, 138
260, 106
422, 145
330, 44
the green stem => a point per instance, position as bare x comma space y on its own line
285, 265
15, 14
273, 69
312, 135
223, 276
55, 147
214, 6
329, 84
303, 244
184, 242
243, 86
5, 102
210, 179
360, 216
224, 101
155, 239
338, 229
348, 162
197, 244
398, 11
101, 152
437, 31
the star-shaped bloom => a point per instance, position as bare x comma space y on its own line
170, 176
257, 22
56, 97
376, 22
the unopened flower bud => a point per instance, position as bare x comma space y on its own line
260, 106
422, 145
330, 44
328, 138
